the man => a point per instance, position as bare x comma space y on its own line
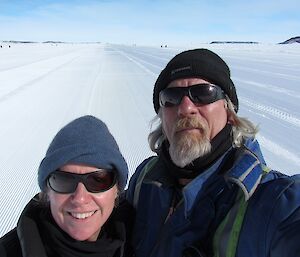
209, 191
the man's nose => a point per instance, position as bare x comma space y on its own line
186, 107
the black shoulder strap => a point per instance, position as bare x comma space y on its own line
28, 232
148, 166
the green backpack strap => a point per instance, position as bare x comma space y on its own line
227, 235
140, 179
226, 238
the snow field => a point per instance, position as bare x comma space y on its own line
44, 86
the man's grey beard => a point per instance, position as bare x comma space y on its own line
186, 147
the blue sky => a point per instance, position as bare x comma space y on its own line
150, 22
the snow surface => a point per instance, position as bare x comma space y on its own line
44, 86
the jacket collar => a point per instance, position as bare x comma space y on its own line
246, 172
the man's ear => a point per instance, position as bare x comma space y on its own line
225, 104
230, 119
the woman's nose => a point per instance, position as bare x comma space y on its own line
81, 194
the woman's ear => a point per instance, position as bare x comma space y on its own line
117, 201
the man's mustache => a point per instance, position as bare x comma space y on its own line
189, 123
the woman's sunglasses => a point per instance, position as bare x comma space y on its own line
95, 182
199, 94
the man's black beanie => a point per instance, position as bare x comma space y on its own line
196, 63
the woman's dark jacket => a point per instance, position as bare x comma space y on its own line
37, 235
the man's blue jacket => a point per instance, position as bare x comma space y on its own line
241, 209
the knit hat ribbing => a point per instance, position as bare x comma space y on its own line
85, 140
198, 63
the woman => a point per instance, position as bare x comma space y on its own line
80, 178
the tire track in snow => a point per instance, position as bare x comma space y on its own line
138, 62
34, 81
273, 74
278, 150
276, 113
152, 55
40, 60
273, 88
18, 198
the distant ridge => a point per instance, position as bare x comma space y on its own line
46, 42
291, 40
18, 42
233, 42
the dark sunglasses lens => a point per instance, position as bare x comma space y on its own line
62, 182
204, 94
171, 96
100, 181
201, 94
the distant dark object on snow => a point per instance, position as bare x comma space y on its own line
164, 46
233, 42
291, 40
54, 42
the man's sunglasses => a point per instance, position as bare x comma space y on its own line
95, 182
199, 94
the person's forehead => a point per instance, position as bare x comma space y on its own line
186, 82
77, 168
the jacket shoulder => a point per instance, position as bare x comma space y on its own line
10, 245
280, 194
273, 218
130, 192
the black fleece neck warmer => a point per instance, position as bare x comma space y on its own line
58, 243
220, 144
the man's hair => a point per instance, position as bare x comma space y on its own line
242, 128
